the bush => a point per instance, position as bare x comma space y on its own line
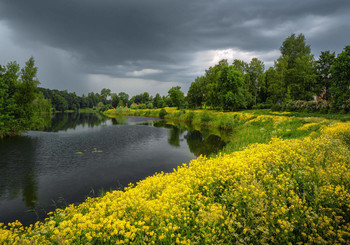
162, 113
189, 116
262, 106
205, 117
226, 122
276, 107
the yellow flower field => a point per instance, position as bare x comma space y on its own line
294, 191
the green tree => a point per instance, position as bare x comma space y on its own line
323, 65
232, 93
17, 95
274, 87
158, 101
210, 83
240, 65
176, 97
340, 71
8, 106
41, 104
124, 97
256, 71
196, 92
115, 99
144, 98
26, 93
297, 68
60, 102
104, 94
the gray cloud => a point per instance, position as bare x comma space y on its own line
74, 39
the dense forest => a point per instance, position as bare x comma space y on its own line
296, 82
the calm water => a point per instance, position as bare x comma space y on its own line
80, 154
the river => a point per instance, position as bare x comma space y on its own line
80, 154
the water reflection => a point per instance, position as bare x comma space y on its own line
200, 140
17, 170
39, 167
65, 121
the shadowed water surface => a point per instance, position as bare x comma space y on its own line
79, 153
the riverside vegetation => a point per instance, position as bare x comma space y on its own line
292, 189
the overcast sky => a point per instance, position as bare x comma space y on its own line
152, 45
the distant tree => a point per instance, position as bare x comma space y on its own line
41, 104
323, 66
104, 94
211, 88
138, 99
240, 65
231, 84
176, 96
26, 93
274, 87
145, 98
196, 93
83, 102
124, 97
60, 102
340, 73
114, 100
297, 68
256, 71
93, 99
158, 101
18, 91
8, 106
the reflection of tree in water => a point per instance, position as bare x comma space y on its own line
174, 136
200, 142
200, 145
64, 121
17, 170
119, 120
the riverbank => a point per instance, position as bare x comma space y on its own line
247, 127
291, 190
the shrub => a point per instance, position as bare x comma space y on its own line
189, 116
276, 107
205, 117
162, 113
262, 106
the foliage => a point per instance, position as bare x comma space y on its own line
196, 92
162, 113
340, 71
298, 75
323, 66
176, 97
19, 101
230, 89
256, 71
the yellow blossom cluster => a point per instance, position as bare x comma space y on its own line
268, 118
307, 126
284, 192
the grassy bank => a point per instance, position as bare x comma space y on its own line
289, 190
247, 127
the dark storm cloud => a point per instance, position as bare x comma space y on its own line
158, 39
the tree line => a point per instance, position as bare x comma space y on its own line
63, 100
295, 76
